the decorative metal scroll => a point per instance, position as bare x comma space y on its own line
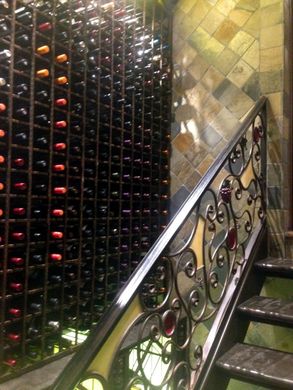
163, 334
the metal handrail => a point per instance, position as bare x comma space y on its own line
99, 335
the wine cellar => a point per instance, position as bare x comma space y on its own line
85, 97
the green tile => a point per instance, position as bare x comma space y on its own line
212, 50
271, 81
226, 60
252, 87
248, 5
241, 42
199, 39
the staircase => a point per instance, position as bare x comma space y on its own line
176, 318
255, 364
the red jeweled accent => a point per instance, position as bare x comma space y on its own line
231, 239
169, 322
226, 193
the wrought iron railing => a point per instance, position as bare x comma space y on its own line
154, 334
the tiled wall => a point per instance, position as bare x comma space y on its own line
227, 53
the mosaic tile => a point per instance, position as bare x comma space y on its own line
275, 104
197, 96
175, 129
274, 152
185, 170
272, 36
212, 21
183, 141
226, 31
241, 42
274, 174
274, 198
238, 103
196, 153
187, 81
225, 123
205, 164
252, 26
239, 16
212, 50
192, 180
251, 56
271, 82
200, 10
225, 6
195, 124
211, 108
174, 183
198, 39
218, 148
240, 73
178, 18
265, 3
186, 5
184, 113
180, 196
271, 15
226, 60
186, 27
198, 67
210, 136
185, 56
252, 87
212, 79
249, 5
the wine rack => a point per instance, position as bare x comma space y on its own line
85, 95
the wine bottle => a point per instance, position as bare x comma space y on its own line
21, 89
61, 58
42, 50
45, 27
22, 64
42, 73
23, 40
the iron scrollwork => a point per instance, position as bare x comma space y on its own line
181, 295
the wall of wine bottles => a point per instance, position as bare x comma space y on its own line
84, 171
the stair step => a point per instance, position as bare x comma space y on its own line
268, 310
276, 267
258, 365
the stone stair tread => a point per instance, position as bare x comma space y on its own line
271, 310
259, 365
276, 266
